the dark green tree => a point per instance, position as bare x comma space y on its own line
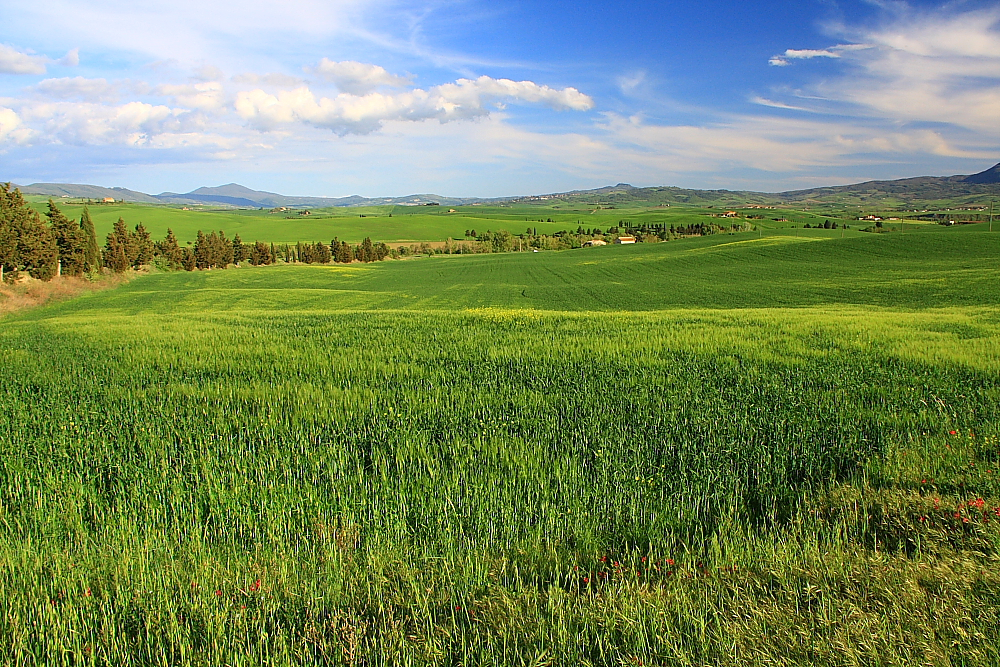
117, 248
143, 247
188, 260
70, 241
202, 251
321, 253
367, 251
260, 254
26, 243
239, 250
170, 250
92, 252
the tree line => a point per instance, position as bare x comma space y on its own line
43, 248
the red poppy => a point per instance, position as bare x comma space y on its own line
670, 561
218, 593
586, 580
952, 432
86, 593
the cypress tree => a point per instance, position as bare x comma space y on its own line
367, 251
274, 255
91, 251
321, 253
39, 254
116, 248
202, 252
188, 260
239, 250
10, 210
70, 241
143, 245
298, 251
170, 250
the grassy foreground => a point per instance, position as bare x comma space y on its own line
716, 452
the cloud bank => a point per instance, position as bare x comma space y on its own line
361, 114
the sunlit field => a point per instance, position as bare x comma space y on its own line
405, 224
733, 450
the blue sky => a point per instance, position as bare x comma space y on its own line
475, 98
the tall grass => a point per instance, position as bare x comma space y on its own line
308, 485
424, 488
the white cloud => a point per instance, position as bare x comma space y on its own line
800, 54
208, 96
358, 78
71, 59
275, 79
13, 61
77, 87
84, 123
11, 128
941, 67
628, 83
361, 114
209, 73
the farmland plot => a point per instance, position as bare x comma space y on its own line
335, 466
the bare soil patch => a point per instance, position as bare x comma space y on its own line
28, 292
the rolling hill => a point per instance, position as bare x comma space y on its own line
960, 189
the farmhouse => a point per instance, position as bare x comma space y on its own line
108, 200
595, 242
625, 239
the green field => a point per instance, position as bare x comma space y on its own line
418, 223
748, 449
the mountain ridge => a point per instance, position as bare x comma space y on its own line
233, 194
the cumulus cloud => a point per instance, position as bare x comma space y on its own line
13, 61
11, 128
84, 123
361, 114
358, 78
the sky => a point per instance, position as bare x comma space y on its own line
499, 98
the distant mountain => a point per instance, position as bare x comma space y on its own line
991, 175
906, 191
238, 196
87, 192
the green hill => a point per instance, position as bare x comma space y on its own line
949, 267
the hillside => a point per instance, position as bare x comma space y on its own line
923, 190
